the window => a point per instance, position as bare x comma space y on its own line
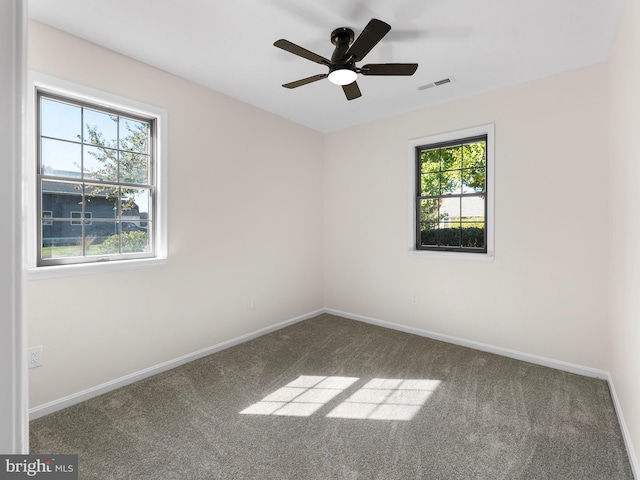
76, 218
451, 193
98, 182
46, 217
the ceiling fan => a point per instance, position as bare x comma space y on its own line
342, 66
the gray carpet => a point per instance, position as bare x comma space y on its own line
330, 398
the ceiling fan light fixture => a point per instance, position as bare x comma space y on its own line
342, 76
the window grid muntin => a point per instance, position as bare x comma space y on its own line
150, 221
419, 197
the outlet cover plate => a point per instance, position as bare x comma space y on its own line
35, 357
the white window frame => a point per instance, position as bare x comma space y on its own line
90, 95
487, 130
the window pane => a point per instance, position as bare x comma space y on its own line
429, 211
101, 238
430, 184
430, 161
450, 182
474, 180
100, 128
134, 168
429, 234
134, 135
135, 203
450, 208
102, 201
61, 239
48, 230
472, 236
60, 120
60, 158
135, 241
473, 210
450, 158
100, 163
61, 198
473, 222
474, 155
449, 236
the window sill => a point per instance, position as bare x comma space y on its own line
471, 257
57, 271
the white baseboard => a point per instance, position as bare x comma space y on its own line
55, 405
633, 460
59, 404
505, 352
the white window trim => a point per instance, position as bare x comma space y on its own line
90, 95
487, 130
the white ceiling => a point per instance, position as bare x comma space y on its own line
228, 46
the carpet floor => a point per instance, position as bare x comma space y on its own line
331, 398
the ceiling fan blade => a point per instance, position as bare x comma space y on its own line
304, 81
368, 38
301, 52
351, 91
389, 69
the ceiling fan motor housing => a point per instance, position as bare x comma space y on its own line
342, 35
342, 38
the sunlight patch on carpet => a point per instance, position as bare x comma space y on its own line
386, 399
378, 399
302, 397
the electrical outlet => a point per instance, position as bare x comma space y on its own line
35, 356
253, 303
